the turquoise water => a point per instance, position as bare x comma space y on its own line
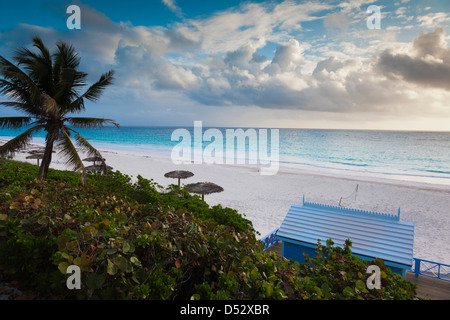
415, 156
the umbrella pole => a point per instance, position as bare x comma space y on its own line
178, 181
203, 197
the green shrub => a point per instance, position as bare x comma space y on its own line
337, 274
133, 242
146, 191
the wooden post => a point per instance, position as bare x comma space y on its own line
417, 267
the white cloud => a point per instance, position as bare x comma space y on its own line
171, 4
336, 20
427, 65
219, 61
400, 12
348, 6
251, 24
433, 20
289, 57
140, 66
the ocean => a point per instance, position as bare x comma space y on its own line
422, 157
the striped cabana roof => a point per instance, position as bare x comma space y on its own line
373, 234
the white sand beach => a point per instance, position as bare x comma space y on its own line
265, 199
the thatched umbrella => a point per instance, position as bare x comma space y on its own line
37, 156
179, 174
36, 151
39, 150
98, 167
94, 159
204, 188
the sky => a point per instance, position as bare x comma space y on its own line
274, 64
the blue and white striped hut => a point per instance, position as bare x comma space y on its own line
373, 235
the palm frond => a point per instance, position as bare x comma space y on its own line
19, 142
49, 106
21, 106
18, 85
93, 93
85, 146
39, 65
66, 56
65, 74
69, 152
26, 58
14, 122
14, 104
66, 89
90, 123
19, 92
45, 53
90, 150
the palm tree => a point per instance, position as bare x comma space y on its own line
47, 91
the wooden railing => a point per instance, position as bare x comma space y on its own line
431, 269
270, 239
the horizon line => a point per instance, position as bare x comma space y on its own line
290, 128
257, 127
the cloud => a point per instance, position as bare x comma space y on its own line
252, 24
331, 65
394, 82
433, 20
428, 74
336, 20
427, 65
432, 44
141, 67
287, 58
241, 58
173, 7
97, 40
223, 61
354, 4
179, 42
400, 12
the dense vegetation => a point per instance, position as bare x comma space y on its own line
132, 241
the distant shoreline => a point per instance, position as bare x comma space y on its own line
411, 180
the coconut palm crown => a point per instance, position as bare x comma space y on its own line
46, 87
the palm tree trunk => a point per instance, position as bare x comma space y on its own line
47, 159
83, 177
